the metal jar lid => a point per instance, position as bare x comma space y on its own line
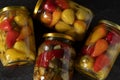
110, 23
12, 8
58, 35
39, 2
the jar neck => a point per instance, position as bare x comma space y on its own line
38, 7
69, 42
112, 27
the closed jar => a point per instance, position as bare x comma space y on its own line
17, 44
55, 58
99, 51
64, 16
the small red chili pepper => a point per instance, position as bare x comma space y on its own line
88, 49
113, 37
58, 53
109, 37
11, 38
44, 58
6, 25
64, 4
101, 61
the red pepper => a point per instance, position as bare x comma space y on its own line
58, 53
109, 37
6, 25
64, 4
44, 58
11, 38
101, 61
88, 49
50, 6
113, 37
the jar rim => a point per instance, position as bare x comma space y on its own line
39, 2
12, 7
83, 7
59, 35
110, 23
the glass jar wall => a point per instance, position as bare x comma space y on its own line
64, 16
17, 44
55, 58
100, 50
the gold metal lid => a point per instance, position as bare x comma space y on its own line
110, 23
58, 35
12, 8
39, 2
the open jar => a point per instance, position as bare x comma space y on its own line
100, 51
17, 44
64, 16
55, 58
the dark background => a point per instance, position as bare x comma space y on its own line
102, 9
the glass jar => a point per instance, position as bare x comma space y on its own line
55, 58
17, 44
100, 50
64, 16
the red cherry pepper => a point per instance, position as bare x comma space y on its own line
44, 58
6, 25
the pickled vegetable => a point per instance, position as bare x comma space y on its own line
100, 51
16, 28
72, 14
54, 60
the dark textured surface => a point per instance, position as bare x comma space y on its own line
102, 9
